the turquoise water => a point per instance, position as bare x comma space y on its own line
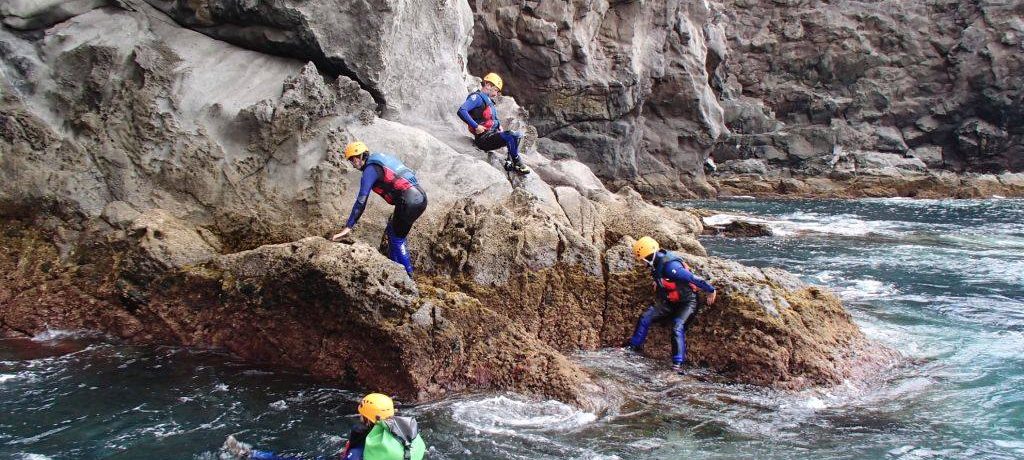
941, 281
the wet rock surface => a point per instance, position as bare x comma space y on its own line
163, 187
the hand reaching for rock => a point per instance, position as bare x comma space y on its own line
342, 234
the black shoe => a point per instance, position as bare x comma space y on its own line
516, 167
679, 368
630, 348
519, 168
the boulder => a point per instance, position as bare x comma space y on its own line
748, 166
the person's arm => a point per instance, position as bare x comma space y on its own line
678, 273
472, 102
365, 185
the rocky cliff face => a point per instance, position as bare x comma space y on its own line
622, 86
875, 96
166, 186
805, 89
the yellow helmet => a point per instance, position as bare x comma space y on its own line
376, 406
644, 247
355, 148
495, 80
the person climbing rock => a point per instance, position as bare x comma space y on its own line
481, 118
675, 297
379, 435
397, 184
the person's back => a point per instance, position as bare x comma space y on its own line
396, 438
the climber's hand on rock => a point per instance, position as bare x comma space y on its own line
342, 234
711, 297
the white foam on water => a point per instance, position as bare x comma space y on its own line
59, 334
726, 219
647, 443
815, 403
1016, 446
27, 456
279, 405
4, 378
863, 289
802, 222
504, 415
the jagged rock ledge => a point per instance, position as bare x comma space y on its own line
862, 175
156, 190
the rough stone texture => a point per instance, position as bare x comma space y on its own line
939, 80
622, 86
642, 92
780, 331
36, 14
381, 44
163, 187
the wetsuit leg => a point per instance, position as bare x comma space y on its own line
682, 312
408, 208
412, 204
489, 140
657, 311
511, 139
354, 453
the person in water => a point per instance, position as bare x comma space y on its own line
675, 297
481, 117
397, 184
396, 439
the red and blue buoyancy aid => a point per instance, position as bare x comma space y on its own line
397, 177
667, 288
480, 108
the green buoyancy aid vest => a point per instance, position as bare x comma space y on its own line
396, 438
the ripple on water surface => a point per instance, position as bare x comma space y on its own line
940, 281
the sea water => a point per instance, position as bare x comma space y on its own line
942, 281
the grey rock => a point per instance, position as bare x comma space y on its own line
631, 113
890, 139
41, 14
749, 166
381, 44
886, 164
930, 156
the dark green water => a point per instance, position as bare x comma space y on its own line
941, 281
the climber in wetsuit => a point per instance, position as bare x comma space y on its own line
373, 408
481, 118
397, 184
675, 298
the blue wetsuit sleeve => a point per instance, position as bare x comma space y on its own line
365, 185
675, 271
472, 102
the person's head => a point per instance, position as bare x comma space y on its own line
355, 153
492, 84
376, 407
645, 248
